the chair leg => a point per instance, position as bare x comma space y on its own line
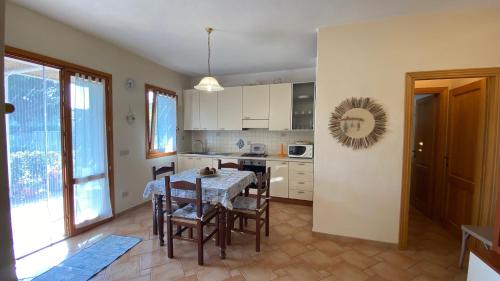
229, 226
178, 230
190, 233
267, 220
199, 231
155, 224
240, 219
257, 233
170, 238
217, 235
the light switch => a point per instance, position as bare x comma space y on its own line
124, 152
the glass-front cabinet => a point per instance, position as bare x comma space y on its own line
303, 106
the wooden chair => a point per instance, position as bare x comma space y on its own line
229, 165
194, 215
252, 208
156, 173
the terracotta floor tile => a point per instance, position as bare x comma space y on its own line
346, 272
291, 252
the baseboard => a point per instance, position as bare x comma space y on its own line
131, 209
341, 237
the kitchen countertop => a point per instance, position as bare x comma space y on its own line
271, 157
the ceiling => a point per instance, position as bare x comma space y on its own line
251, 35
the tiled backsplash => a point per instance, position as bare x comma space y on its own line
225, 141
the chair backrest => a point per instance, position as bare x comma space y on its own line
183, 185
263, 185
229, 165
163, 170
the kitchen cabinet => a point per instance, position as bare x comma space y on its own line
191, 109
193, 162
208, 111
279, 178
301, 177
256, 102
303, 106
230, 109
280, 107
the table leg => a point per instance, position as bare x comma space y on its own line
160, 218
155, 219
222, 231
465, 237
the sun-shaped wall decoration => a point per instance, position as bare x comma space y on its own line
358, 122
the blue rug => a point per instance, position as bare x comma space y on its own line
91, 260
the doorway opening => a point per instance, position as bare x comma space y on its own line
450, 155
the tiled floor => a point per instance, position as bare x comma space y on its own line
291, 252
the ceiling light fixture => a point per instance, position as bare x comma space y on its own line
209, 83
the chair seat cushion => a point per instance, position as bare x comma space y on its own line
189, 212
247, 203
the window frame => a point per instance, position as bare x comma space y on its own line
151, 153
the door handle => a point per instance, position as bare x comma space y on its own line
9, 108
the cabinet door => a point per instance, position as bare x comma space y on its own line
230, 108
280, 107
256, 102
279, 178
191, 110
202, 162
208, 111
184, 163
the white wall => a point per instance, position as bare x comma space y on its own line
7, 272
480, 271
33, 32
272, 77
357, 193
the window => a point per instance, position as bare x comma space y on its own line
161, 122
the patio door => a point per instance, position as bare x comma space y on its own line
34, 155
86, 106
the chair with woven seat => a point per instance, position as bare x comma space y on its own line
252, 207
156, 172
229, 165
194, 215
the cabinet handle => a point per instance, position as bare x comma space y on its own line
286, 129
300, 173
301, 192
301, 182
284, 163
301, 164
246, 117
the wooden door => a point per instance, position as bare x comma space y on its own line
191, 110
230, 108
256, 102
208, 111
280, 107
424, 153
464, 153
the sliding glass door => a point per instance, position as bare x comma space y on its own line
59, 149
34, 155
88, 156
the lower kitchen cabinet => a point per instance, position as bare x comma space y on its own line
193, 162
279, 178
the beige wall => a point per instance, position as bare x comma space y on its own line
34, 32
357, 193
6, 252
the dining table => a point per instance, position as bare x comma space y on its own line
219, 190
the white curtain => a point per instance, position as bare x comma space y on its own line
91, 190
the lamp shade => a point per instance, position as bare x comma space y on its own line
209, 84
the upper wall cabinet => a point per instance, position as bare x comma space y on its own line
191, 110
303, 106
280, 106
230, 108
208, 110
256, 102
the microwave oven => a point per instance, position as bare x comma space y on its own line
300, 150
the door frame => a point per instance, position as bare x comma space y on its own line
64, 67
489, 179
